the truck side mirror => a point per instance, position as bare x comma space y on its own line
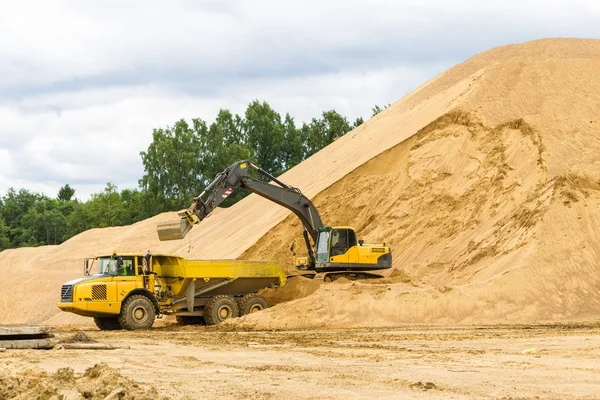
361, 242
87, 266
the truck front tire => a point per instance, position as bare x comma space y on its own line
108, 323
137, 312
220, 308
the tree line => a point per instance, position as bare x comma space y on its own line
179, 163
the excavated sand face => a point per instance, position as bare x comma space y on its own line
479, 231
492, 211
484, 181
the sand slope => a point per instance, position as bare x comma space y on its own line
480, 234
492, 211
484, 181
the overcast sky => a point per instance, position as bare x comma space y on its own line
82, 83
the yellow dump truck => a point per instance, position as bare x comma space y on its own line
128, 291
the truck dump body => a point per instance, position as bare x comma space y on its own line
242, 276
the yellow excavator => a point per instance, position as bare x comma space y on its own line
333, 251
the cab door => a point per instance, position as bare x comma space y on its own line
338, 246
126, 278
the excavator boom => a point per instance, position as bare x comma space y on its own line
225, 183
333, 249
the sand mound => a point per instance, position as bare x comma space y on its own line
295, 288
98, 382
483, 180
492, 210
79, 337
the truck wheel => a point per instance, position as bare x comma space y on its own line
108, 323
189, 320
252, 303
137, 313
219, 308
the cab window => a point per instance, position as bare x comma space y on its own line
322, 243
125, 266
339, 242
351, 238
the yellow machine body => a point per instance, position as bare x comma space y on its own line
171, 282
337, 249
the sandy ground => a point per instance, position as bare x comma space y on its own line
398, 363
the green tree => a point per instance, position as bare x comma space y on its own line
265, 133
293, 147
323, 131
45, 223
132, 207
78, 219
376, 109
4, 240
66, 193
358, 122
15, 206
225, 143
106, 208
336, 125
173, 164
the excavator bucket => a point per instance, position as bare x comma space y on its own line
174, 229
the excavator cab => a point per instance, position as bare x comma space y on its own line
334, 244
337, 248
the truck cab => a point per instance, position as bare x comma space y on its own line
101, 294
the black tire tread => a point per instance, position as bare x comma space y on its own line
209, 316
108, 323
247, 299
124, 317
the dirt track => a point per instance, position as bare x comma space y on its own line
399, 363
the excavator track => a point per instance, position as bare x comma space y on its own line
350, 275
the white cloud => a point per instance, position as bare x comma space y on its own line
82, 84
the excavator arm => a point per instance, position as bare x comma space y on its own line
232, 178
326, 254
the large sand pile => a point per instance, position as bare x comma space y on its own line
492, 210
484, 181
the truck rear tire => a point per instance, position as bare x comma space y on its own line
108, 323
251, 303
220, 308
137, 312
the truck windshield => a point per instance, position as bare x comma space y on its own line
122, 266
107, 266
322, 247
